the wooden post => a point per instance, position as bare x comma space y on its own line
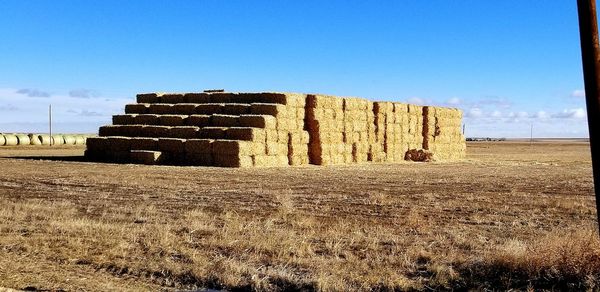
590, 54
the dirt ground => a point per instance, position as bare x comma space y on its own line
73, 225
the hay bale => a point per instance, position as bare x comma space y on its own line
118, 144
69, 139
23, 139
147, 157
198, 120
147, 98
246, 134
146, 119
172, 98
2, 140
197, 98
11, 140
185, 108
231, 147
79, 140
44, 139
236, 109
137, 108
199, 159
224, 120
221, 97
185, 132
124, 119
58, 140
209, 108
199, 146
213, 132
110, 130
258, 121
155, 131
171, 145
419, 155
34, 139
144, 143
172, 120
268, 109
161, 109
233, 160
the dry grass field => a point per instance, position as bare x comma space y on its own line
512, 215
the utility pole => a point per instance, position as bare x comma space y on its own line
590, 54
50, 123
531, 135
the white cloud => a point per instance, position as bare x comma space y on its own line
474, 113
454, 101
540, 115
576, 113
416, 100
578, 93
496, 114
33, 92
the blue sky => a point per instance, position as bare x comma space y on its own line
506, 64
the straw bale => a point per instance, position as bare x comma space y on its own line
137, 108
161, 108
184, 132
272, 135
111, 130
33, 139
198, 120
146, 119
298, 160
197, 97
233, 160
268, 109
246, 134
11, 140
2, 140
172, 120
144, 143
23, 139
270, 161
123, 119
199, 146
147, 98
224, 121
156, 131
222, 97
199, 159
185, 108
320, 101
258, 121
172, 98
147, 157
236, 109
209, 108
297, 100
118, 144
69, 140
44, 139
300, 137
277, 149
213, 132
171, 145
298, 150
269, 97
229, 147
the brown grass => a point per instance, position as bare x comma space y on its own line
512, 216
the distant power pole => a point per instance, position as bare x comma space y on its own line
590, 55
531, 135
50, 122
464, 129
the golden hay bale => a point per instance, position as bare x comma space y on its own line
172, 120
137, 108
146, 119
184, 132
199, 146
232, 160
79, 140
10, 140
161, 108
147, 98
44, 139
23, 139
123, 119
147, 157
245, 134
213, 132
298, 150
268, 109
258, 121
236, 109
172, 98
209, 108
277, 149
185, 108
198, 120
97, 144
224, 120
34, 139
171, 145
69, 139
197, 98
144, 143
2, 140
58, 140
231, 147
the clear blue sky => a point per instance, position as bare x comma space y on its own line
507, 64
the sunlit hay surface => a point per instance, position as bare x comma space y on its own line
497, 220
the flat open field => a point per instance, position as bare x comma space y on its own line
510, 215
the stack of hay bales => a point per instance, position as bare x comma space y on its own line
271, 129
442, 133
